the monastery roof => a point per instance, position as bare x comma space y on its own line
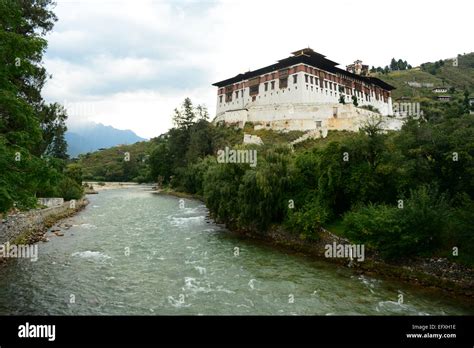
304, 56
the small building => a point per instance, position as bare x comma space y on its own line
358, 68
440, 89
444, 98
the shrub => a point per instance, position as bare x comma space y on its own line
69, 189
308, 221
460, 233
413, 230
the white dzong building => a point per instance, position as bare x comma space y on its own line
305, 91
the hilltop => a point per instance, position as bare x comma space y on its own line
111, 164
438, 74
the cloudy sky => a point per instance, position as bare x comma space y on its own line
128, 64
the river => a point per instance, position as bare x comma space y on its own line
137, 253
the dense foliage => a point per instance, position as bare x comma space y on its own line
403, 193
118, 163
394, 66
32, 145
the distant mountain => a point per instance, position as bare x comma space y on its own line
93, 136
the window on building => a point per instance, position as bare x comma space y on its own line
273, 84
253, 89
311, 79
220, 99
283, 82
306, 78
326, 84
236, 94
253, 86
318, 123
295, 78
266, 86
283, 78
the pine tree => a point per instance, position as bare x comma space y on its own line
202, 113
185, 116
393, 64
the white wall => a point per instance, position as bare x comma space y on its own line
306, 117
301, 92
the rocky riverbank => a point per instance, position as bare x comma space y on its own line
436, 273
29, 227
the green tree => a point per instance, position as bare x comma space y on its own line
393, 65
53, 123
31, 131
160, 162
185, 116
354, 100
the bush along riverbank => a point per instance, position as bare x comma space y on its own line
407, 197
437, 273
30, 226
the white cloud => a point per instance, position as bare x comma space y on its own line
135, 61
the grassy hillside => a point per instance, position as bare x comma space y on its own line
272, 137
441, 73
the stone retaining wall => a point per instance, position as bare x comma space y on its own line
36, 220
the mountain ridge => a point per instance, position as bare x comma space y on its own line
91, 137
